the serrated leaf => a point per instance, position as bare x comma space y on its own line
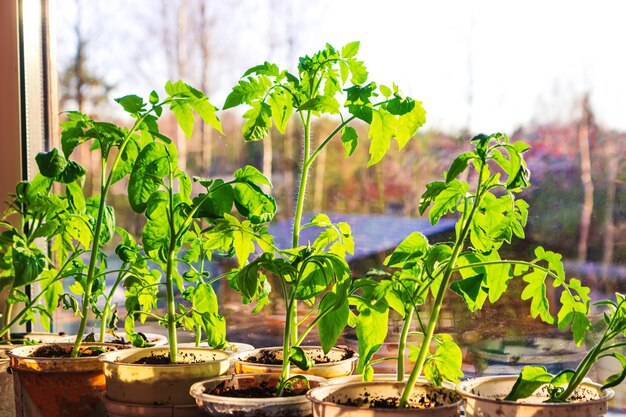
350, 50
413, 247
447, 200
458, 165
253, 203
207, 112
409, 123
471, 289
349, 139
281, 108
151, 166
536, 291
184, 116
127, 161
258, 122
51, 163
382, 129
322, 104
131, 103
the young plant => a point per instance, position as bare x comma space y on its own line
38, 214
329, 83
119, 147
158, 188
561, 386
489, 215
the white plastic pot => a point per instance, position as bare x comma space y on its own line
222, 406
354, 399
143, 384
336, 367
484, 398
153, 339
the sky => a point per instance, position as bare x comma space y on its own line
481, 65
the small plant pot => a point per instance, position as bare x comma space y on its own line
7, 405
58, 386
222, 406
341, 362
234, 348
483, 398
146, 384
122, 409
357, 399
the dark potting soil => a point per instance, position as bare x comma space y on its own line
264, 390
274, 357
426, 400
164, 359
55, 351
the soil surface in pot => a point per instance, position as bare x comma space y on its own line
265, 389
275, 357
55, 351
428, 400
164, 359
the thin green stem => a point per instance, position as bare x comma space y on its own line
304, 175
107, 304
169, 281
8, 311
436, 308
402, 344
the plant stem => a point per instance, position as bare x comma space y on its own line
169, 282
8, 311
436, 308
402, 344
107, 305
104, 187
285, 372
304, 175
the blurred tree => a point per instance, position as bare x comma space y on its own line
585, 127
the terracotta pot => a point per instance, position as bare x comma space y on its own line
333, 400
7, 405
122, 409
142, 384
336, 368
222, 406
55, 387
483, 397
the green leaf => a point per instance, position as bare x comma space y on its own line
207, 112
382, 129
322, 104
332, 324
216, 203
204, 299
530, 379
399, 106
72, 172
445, 364
184, 115
298, 357
458, 165
358, 71
282, 108
51, 163
253, 175
616, 379
151, 167
371, 330
75, 197
258, 122
350, 50
253, 203
412, 248
350, 139
247, 91
132, 104
265, 68
536, 290
409, 123
447, 200
127, 161
28, 263
471, 289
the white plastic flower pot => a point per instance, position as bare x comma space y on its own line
357, 399
484, 398
145, 384
341, 362
223, 406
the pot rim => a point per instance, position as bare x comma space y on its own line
195, 391
390, 411
107, 358
463, 389
238, 357
18, 354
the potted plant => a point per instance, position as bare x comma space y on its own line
156, 379
489, 215
535, 390
90, 225
313, 276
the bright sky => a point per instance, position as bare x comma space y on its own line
492, 65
